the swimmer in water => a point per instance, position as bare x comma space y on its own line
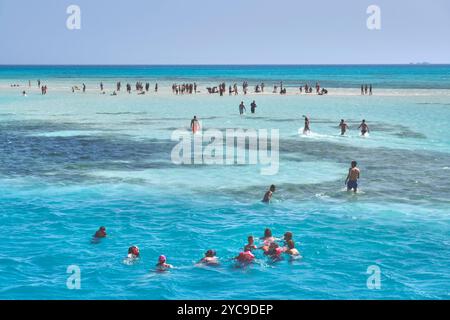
253, 106
101, 233
245, 258
209, 258
274, 251
269, 194
288, 236
343, 126
242, 108
250, 246
364, 128
162, 264
195, 125
268, 237
268, 240
307, 128
352, 178
291, 249
133, 253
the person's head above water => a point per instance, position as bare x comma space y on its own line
251, 239
134, 250
288, 236
354, 164
210, 253
162, 259
272, 188
364, 121
267, 233
101, 232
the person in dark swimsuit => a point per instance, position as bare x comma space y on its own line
253, 106
269, 194
353, 177
364, 128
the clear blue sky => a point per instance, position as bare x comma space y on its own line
224, 32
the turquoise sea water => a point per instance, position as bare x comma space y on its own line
72, 162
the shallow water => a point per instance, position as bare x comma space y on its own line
73, 162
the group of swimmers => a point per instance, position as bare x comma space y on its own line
242, 108
363, 127
269, 246
342, 125
351, 182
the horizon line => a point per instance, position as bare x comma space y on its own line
224, 65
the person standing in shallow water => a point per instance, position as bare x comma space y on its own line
195, 125
242, 108
307, 128
353, 177
268, 196
253, 106
364, 128
344, 127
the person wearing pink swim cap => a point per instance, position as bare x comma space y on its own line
162, 264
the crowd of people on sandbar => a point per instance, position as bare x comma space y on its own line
308, 89
259, 88
366, 89
185, 88
140, 88
271, 247
190, 88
